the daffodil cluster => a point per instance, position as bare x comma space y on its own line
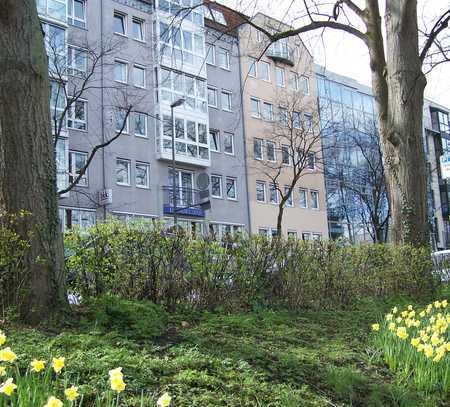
418, 342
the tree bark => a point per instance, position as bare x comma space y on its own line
398, 85
27, 159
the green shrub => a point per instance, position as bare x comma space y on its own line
132, 319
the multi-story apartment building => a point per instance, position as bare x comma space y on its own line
349, 107
144, 56
279, 109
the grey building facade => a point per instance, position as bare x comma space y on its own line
141, 55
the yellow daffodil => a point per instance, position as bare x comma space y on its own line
448, 346
415, 342
7, 355
37, 365
444, 303
411, 314
71, 393
429, 308
117, 384
394, 310
8, 387
404, 314
435, 340
392, 326
420, 347
422, 314
58, 364
389, 317
164, 400
425, 338
115, 372
2, 338
437, 304
2, 371
398, 320
53, 402
428, 349
375, 327
401, 333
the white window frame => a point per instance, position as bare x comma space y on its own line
234, 180
295, 80
258, 102
71, 115
283, 148
269, 119
125, 22
290, 200
273, 187
145, 135
84, 180
292, 234
263, 183
307, 235
128, 162
253, 62
231, 135
214, 89
126, 129
229, 98
305, 192
313, 191
316, 236
141, 22
71, 69
305, 85
142, 68
313, 154
227, 59
211, 48
123, 63
259, 71
217, 133
220, 196
258, 140
283, 77
310, 120
147, 165
71, 18
272, 143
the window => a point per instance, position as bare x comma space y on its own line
123, 171
76, 217
279, 76
228, 143
77, 115
283, 116
294, 81
212, 97
211, 54
263, 232
57, 103
290, 200
316, 236
121, 121
306, 236
120, 71
216, 186
77, 161
273, 194
76, 13
139, 76
285, 156
292, 234
53, 8
223, 58
260, 191
252, 67
314, 199
140, 124
257, 149
303, 198
308, 121
214, 143
138, 29
120, 23
271, 154
296, 122
142, 171
264, 71
255, 107
267, 111
226, 101
231, 188
311, 161
305, 83
76, 61
55, 46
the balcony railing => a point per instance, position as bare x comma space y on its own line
188, 201
284, 55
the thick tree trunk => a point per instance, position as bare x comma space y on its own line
280, 218
399, 84
27, 162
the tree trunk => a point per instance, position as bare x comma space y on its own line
27, 161
399, 84
280, 218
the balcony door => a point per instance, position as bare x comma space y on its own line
183, 187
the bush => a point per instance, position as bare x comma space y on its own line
132, 319
136, 262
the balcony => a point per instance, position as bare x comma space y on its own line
281, 54
188, 201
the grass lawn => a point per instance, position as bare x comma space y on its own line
263, 358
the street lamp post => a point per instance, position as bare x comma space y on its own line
175, 104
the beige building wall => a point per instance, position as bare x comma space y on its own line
304, 222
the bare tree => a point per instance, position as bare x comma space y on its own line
398, 83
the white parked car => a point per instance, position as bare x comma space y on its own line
441, 263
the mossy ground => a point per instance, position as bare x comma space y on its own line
262, 358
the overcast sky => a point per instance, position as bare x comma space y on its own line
345, 54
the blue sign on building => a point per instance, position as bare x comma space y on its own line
197, 212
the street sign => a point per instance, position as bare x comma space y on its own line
445, 165
105, 197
